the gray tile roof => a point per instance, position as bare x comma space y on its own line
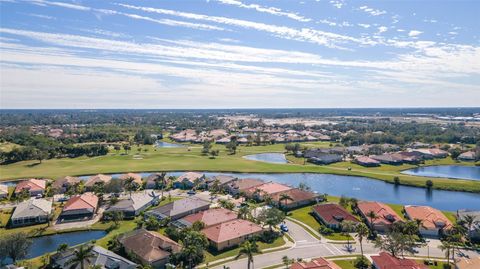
103, 257
32, 208
179, 207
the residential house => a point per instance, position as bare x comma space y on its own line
366, 161
136, 178
188, 180
179, 208
210, 217
80, 207
259, 192
61, 185
30, 212
231, 233
468, 156
151, 180
97, 179
474, 232
222, 180
149, 248
240, 185
3, 191
385, 260
433, 222
332, 215
432, 152
388, 158
33, 186
100, 257
317, 263
298, 198
385, 216
134, 204
411, 157
464, 263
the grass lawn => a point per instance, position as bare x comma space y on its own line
438, 266
211, 256
346, 264
190, 158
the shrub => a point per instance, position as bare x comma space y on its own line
325, 230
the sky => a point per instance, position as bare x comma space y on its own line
239, 54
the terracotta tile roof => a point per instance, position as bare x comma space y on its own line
230, 230
3, 189
386, 261
366, 160
87, 200
31, 185
212, 216
431, 218
190, 176
65, 181
318, 263
246, 183
269, 188
468, 263
98, 179
136, 178
333, 213
297, 195
385, 214
150, 246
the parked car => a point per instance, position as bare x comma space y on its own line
191, 192
283, 227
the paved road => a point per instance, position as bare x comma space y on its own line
306, 246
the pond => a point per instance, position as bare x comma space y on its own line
267, 157
447, 171
162, 144
50, 243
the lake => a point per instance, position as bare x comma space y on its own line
50, 243
267, 157
161, 144
447, 171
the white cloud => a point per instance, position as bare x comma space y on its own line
337, 3
372, 11
364, 25
270, 10
382, 29
414, 33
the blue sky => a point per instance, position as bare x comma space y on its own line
239, 54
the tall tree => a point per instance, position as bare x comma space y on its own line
362, 233
81, 256
16, 245
284, 197
248, 249
130, 185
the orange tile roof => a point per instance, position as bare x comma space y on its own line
387, 261
230, 230
431, 218
318, 263
296, 194
212, 216
190, 176
385, 214
31, 185
269, 188
333, 213
464, 263
150, 246
87, 200
97, 179
136, 178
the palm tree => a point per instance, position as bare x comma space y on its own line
243, 212
81, 256
287, 261
347, 227
285, 197
130, 185
469, 222
248, 248
446, 246
362, 232
372, 216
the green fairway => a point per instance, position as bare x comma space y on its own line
190, 158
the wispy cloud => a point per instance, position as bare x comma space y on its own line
414, 33
372, 11
270, 10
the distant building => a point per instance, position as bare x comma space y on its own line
468, 156
148, 247
97, 179
30, 212
411, 157
298, 198
240, 185
385, 260
61, 185
324, 155
366, 161
385, 216
210, 217
150, 181
3, 191
388, 158
33, 186
317, 263
232, 233
134, 205
80, 207
433, 152
101, 257
188, 180
222, 180
332, 215
179, 208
